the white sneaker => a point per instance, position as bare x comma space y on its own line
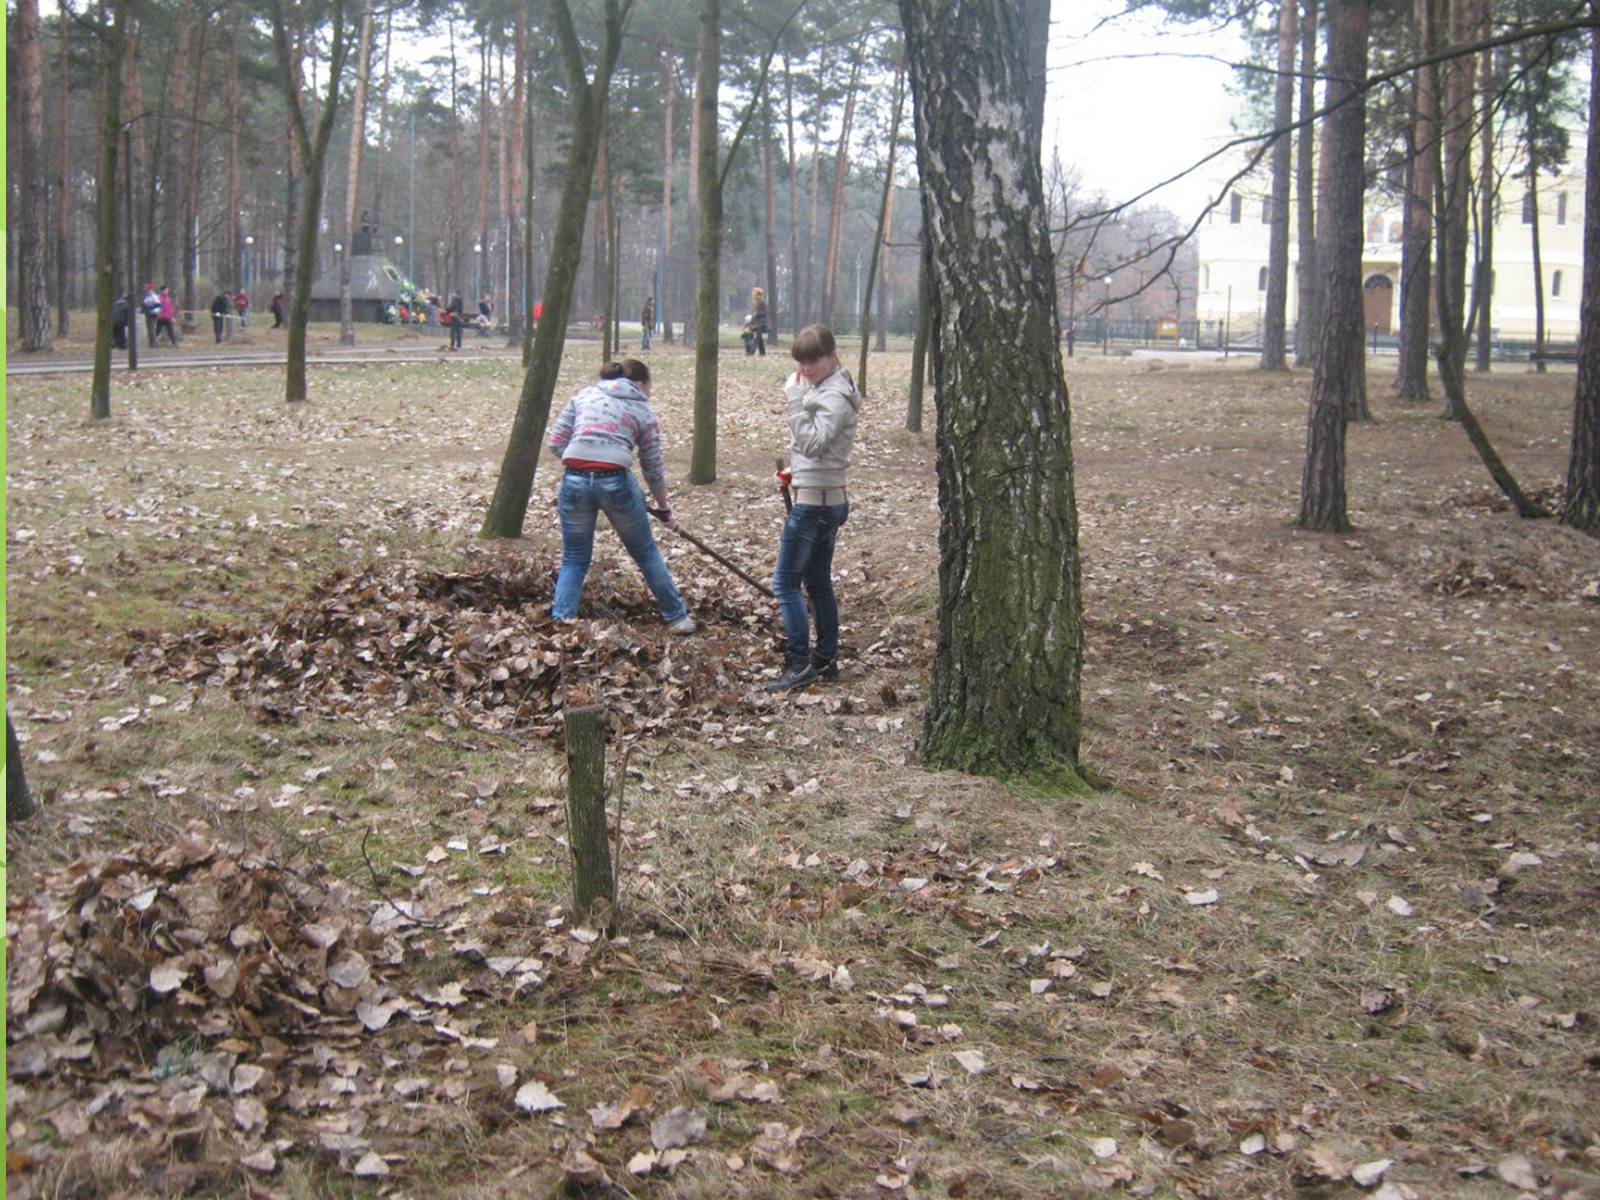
683, 626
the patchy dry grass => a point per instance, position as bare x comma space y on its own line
1378, 751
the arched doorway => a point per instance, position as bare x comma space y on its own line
1377, 303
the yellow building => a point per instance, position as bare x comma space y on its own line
1233, 241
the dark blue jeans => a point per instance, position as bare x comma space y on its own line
580, 502
805, 559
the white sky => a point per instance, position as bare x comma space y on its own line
1129, 123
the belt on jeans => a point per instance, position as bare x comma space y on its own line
596, 471
823, 496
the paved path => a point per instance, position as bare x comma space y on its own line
17, 365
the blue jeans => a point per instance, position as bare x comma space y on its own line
581, 500
644, 336
805, 559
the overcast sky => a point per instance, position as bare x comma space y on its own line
1129, 122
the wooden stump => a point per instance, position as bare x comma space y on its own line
19, 804
592, 883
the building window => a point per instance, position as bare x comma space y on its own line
1207, 284
1561, 208
1555, 284
1527, 208
1266, 210
1235, 208
1261, 280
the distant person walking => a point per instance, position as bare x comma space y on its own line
453, 313
219, 314
596, 437
485, 315
150, 306
758, 319
277, 310
119, 322
647, 321
241, 305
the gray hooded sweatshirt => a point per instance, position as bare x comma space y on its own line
822, 429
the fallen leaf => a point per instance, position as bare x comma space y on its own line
1198, 899
167, 976
1516, 1170
679, 1126
263, 1160
371, 1166
1398, 906
972, 1060
1370, 1174
1103, 1147
535, 1097
1252, 1145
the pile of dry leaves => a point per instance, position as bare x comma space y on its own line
478, 649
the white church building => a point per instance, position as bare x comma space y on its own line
1233, 242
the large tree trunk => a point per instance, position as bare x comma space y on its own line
607, 258
191, 173
812, 308
1536, 251
1307, 298
518, 302
235, 236
1274, 328
1454, 187
509, 506
315, 152
174, 237
481, 243
105, 250
1581, 509
703, 457
880, 341
1322, 483
1416, 251
33, 227
1005, 692
352, 193
883, 222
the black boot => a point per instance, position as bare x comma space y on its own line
796, 674
827, 669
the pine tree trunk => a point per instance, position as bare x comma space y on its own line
1535, 250
881, 339
592, 883
1483, 291
235, 236
191, 173
1322, 484
703, 456
1274, 332
481, 241
1454, 188
665, 274
812, 308
794, 202
174, 236
105, 250
769, 233
608, 248
519, 303
509, 506
841, 175
352, 195
1581, 509
883, 223
33, 236
1005, 692
1308, 299
1416, 252
63, 240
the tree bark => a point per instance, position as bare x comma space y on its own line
63, 238
592, 883
880, 341
518, 302
703, 455
1536, 252
1274, 332
1005, 693
33, 227
1581, 508
1322, 483
173, 160
352, 194
314, 148
235, 237
1416, 251
1309, 304
608, 228
794, 202
768, 230
105, 250
919, 343
509, 506
841, 175
1483, 289
191, 172
19, 801
883, 222
1454, 188
664, 314
480, 235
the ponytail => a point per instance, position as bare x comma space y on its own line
630, 369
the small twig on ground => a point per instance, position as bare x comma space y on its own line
383, 895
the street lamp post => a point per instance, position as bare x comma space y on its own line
477, 270
398, 243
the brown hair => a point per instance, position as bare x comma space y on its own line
811, 343
628, 368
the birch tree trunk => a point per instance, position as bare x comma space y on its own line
1483, 285
352, 195
191, 173
1322, 482
794, 203
174, 235
769, 232
63, 239
1005, 693
664, 260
